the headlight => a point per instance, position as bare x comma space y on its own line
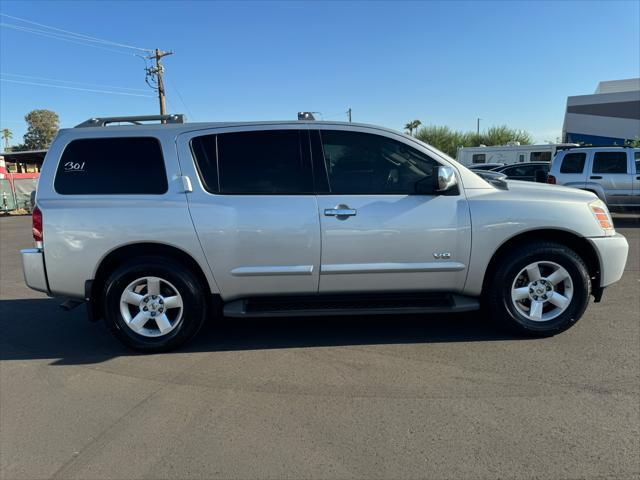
602, 216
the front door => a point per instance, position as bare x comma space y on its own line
254, 209
377, 234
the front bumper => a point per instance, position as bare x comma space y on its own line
35, 275
612, 254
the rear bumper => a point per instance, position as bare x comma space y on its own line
612, 254
35, 275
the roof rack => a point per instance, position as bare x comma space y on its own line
136, 120
594, 146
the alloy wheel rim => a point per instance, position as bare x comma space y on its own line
542, 291
151, 306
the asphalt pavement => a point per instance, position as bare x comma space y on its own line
356, 397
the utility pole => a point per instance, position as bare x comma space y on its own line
478, 127
157, 71
349, 114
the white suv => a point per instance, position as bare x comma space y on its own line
158, 227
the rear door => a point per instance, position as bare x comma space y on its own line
613, 169
254, 209
377, 234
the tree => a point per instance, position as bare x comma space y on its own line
634, 143
42, 128
413, 125
502, 135
6, 136
448, 141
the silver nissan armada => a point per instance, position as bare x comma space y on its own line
159, 227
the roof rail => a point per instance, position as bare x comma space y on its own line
136, 120
594, 146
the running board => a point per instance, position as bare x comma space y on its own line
369, 304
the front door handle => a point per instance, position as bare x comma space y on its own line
340, 211
596, 177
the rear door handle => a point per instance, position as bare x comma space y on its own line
340, 211
596, 177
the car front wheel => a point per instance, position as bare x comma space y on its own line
540, 289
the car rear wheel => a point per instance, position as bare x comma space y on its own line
540, 289
154, 304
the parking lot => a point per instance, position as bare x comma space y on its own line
384, 397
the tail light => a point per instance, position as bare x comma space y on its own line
36, 224
551, 179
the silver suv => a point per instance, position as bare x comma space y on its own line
159, 227
612, 173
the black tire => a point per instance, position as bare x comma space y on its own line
498, 293
194, 299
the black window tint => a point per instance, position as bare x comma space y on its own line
320, 179
521, 171
361, 163
637, 159
573, 163
540, 157
204, 152
610, 162
116, 166
478, 158
262, 162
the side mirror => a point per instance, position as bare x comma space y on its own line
446, 181
443, 181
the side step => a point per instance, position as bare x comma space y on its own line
368, 304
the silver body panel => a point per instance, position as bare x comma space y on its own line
33, 268
249, 245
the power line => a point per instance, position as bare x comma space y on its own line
60, 37
76, 88
72, 82
82, 35
175, 89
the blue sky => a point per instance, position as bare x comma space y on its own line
445, 63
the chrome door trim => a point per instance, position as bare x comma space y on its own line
342, 268
272, 270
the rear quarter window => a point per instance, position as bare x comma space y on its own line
112, 166
573, 163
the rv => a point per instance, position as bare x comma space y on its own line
508, 154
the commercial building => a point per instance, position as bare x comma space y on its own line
610, 116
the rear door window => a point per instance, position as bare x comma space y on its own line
254, 162
520, 171
112, 166
573, 163
610, 162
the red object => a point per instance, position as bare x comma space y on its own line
551, 179
36, 224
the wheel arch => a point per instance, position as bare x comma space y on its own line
118, 255
578, 244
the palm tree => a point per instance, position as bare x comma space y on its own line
413, 125
6, 135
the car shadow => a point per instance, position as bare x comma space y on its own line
38, 329
626, 221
